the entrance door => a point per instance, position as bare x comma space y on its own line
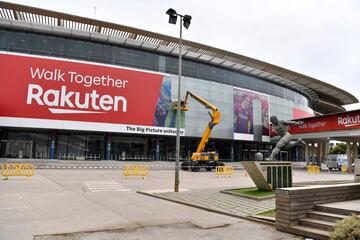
19, 149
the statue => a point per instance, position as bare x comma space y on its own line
283, 137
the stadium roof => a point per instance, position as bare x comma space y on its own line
322, 95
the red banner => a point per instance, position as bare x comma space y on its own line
341, 121
42, 88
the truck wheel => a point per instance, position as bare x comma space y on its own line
219, 164
209, 168
185, 166
195, 167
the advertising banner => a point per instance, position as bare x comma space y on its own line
251, 115
67, 94
340, 121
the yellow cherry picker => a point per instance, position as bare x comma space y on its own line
199, 159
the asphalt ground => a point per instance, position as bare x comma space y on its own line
101, 204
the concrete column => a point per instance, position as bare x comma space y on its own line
318, 153
52, 149
348, 153
232, 151
157, 150
356, 155
357, 170
146, 148
108, 146
307, 154
326, 148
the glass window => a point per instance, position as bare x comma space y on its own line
119, 55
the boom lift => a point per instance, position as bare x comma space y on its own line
199, 159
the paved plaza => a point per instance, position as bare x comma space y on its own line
101, 204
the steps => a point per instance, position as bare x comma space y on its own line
320, 222
316, 223
311, 232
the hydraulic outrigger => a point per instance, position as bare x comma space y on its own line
199, 159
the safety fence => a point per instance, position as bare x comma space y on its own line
224, 171
313, 169
135, 170
17, 169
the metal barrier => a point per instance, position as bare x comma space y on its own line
17, 169
313, 169
224, 171
135, 170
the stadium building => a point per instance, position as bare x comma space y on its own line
80, 88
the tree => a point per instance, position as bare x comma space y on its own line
339, 149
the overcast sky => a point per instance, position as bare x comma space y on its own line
318, 38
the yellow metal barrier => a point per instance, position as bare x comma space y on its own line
343, 168
135, 170
17, 169
224, 171
313, 169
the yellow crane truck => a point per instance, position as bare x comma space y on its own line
199, 159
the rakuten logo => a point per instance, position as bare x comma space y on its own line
76, 101
349, 121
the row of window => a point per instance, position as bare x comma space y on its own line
90, 146
35, 43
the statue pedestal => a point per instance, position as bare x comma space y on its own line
269, 175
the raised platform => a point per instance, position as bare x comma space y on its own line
269, 175
312, 211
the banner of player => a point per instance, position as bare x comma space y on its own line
251, 115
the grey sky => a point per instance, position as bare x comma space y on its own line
319, 38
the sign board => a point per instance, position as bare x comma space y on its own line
66, 94
334, 122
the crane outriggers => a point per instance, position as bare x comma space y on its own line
199, 159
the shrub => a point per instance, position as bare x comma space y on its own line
347, 229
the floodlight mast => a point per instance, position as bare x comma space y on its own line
184, 20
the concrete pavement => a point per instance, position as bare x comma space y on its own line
55, 202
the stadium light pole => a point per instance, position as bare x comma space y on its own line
184, 20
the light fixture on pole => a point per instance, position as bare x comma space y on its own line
186, 19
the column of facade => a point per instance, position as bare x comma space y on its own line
348, 154
146, 148
355, 148
52, 150
326, 149
157, 150
313, 154
318, 153
108, 146
307, 154
357, 163
232, 151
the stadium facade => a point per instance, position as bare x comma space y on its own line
79, 88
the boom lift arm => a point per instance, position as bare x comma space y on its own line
209, 160
215, 119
